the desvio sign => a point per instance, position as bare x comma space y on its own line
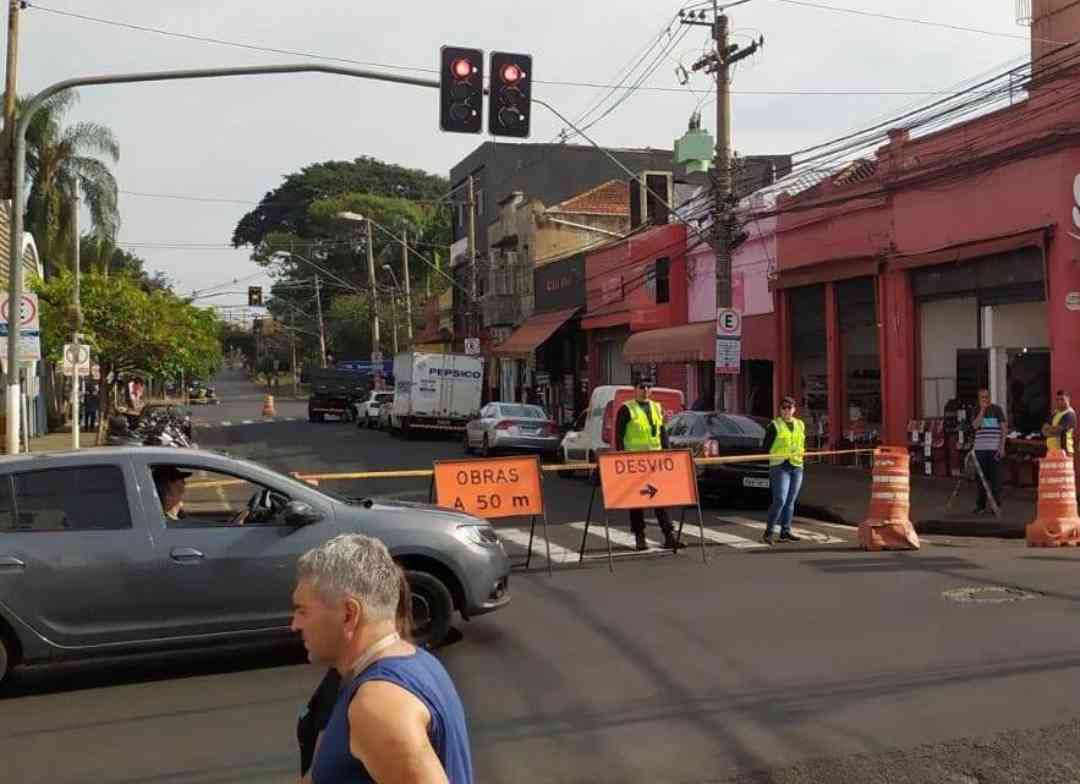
648, 480
492, 488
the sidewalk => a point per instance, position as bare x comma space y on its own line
60, 441
842, 494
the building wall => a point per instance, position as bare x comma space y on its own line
554, 240
945, 327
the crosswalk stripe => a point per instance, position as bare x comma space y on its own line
559, 554
248, 422
722, 537
226, 424
812, 536
837, 526
618, 536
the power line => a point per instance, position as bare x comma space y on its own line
918, 21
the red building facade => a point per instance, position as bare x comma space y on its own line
950, 262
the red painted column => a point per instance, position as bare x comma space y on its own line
783, 375
834, 366
899, 370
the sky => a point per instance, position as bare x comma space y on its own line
222, 144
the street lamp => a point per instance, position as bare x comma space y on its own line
355, 217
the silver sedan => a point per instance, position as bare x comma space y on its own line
513, 427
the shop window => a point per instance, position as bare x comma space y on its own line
662, 281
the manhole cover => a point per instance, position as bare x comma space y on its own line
993, 594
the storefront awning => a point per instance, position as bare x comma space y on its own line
688, 343
1034, 238
530, 335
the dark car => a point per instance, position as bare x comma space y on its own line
717, 434
91, 565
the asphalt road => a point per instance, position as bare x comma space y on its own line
806, 663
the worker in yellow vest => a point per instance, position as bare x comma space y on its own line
639, 427
1061, 432
785, 441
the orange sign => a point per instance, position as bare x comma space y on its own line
492, 488
648, 480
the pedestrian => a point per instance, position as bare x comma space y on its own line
398, 716
1061, 431
785, 441
991, 429
639, 427
91, 406
310, 727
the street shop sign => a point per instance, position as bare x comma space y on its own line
492, 488
648, 480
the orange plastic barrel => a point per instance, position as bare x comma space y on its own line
1056, 524
888, 524
268, 405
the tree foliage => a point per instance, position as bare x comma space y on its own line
295, 233
130, 330
62, 162
96, 255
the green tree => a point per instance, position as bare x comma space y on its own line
285, 209
101, 256
60, 163
130, 331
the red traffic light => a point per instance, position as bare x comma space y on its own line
511, 73
461, 68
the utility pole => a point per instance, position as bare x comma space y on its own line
322, 330
393, 313
719, 64
292, 334
408, 287
78, 326
14, 6
375, 342
474, 306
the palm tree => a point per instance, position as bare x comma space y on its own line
60, 162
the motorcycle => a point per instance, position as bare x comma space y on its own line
155, 428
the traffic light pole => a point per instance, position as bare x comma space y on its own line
376, 343
18, 175
408, 285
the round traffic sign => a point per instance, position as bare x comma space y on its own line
84, 355
27, 310
728, 322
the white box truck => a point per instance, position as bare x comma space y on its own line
436, 391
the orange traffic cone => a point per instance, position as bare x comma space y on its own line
1057, 523
888, 526
268, 406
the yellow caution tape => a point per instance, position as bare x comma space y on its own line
426, 473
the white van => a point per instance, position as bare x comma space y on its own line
594, 430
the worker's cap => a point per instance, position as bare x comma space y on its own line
162, 473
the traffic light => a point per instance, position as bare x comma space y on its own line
461, 89
509, 100
254, 296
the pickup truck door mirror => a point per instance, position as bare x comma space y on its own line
299, 514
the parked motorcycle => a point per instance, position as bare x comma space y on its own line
154, 427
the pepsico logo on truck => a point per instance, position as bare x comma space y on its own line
455, 373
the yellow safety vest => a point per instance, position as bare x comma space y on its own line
1054, 442
640, 436
790, 444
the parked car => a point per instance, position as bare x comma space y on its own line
386, 416
512, 427
367, 414
90, 565
336, 393
594, 429
718, 434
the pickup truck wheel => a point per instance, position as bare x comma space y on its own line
432, 608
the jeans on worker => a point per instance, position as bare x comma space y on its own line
991, 469
637, 521
785, 481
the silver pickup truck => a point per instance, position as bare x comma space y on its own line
91, 564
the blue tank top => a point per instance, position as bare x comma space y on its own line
423, 676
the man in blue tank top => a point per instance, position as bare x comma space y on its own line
398, 717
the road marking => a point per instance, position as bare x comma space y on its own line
811, 521
812, 536
721, 537
226, 424
248, 422
618, 536
559, 554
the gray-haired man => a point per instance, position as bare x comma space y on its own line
399, 717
